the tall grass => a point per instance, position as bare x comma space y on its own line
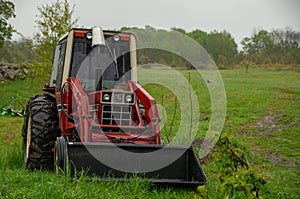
11, 156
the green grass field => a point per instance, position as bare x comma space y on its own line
263, 113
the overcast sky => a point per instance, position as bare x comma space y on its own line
239, 17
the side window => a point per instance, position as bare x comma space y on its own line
60, 64
81, 48
55, 66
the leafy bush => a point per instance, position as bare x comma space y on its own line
236, 178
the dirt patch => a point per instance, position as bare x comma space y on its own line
272, 123
275, 158
270, 126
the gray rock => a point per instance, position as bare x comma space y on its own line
3, 68
26, 71
11, 71
9, 74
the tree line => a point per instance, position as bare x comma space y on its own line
279, 47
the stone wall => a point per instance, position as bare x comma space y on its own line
12, 71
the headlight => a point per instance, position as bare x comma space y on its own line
89, 35
116, 37
106, 97
128, 98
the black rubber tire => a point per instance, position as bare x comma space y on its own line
40, 130
61, 156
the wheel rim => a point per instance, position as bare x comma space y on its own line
66, 161
60, 156
56, 158
28, 141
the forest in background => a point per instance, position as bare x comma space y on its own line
277, 49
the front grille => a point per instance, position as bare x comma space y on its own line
116, 115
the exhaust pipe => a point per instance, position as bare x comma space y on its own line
98, 37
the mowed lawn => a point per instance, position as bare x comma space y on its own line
263, 113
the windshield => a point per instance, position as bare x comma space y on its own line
101, 67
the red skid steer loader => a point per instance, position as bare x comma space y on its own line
96, 118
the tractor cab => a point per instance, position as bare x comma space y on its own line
101, 59
103, 65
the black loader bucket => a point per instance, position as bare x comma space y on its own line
174, 165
